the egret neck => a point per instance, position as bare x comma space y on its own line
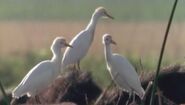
108, 53
56, 59
92, 24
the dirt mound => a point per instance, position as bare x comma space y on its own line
79, 88
171, 84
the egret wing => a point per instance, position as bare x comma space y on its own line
81, 44
36, 79
127, 72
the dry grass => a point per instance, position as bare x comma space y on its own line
140, 38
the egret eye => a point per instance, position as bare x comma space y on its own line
107, 39
61, 42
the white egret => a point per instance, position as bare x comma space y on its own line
40, 76
121, 71
82, 41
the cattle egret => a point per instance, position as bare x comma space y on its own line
121, 71
40, 76
82, 41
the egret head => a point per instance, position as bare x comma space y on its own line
107, 39
101, 11
59, 42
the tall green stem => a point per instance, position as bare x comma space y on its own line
161, 53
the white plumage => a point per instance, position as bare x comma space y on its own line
122, 72
40, 76
82, 41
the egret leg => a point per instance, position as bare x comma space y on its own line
14, 101
74, 66
119, 97
133, 100
147, 91
129, 98
78, 65
134, 97
86, 99
37, 99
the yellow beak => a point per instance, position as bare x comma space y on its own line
113, 42
68, 45
109, 16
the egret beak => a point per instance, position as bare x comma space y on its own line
68, 45
113, 42
109, 16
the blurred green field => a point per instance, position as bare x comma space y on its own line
123, 10
27, 28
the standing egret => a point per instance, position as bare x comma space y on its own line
40, 76
82, 41
121, 71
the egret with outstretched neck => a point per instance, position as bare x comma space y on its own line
82, 41
121, 70
40, 76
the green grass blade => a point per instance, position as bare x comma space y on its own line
4, 94
162, 52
